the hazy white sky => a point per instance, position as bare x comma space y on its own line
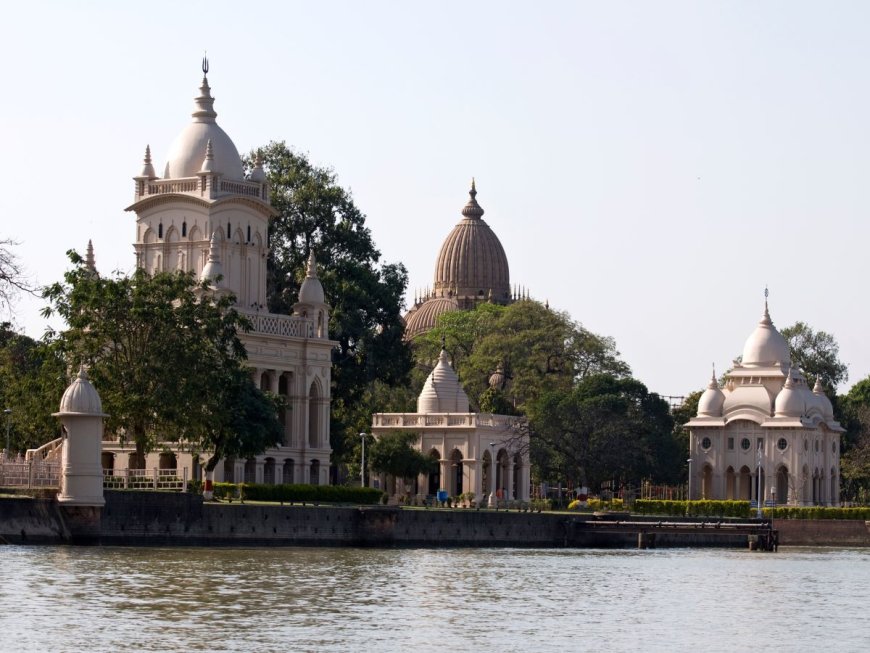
648, 166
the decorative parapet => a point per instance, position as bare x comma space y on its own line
444, 420
273, 324
203, 186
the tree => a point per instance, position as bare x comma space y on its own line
853, 410
396, 455
816, 353
12, 277
536, 349
605, 428
166, 358
315, 213
32, 381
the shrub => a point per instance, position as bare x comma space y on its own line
702, 508
299, 493
817, 512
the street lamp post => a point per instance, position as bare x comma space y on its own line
689, 488
362, 466
8, 412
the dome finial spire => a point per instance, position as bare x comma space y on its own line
147, 165
205, 63
204, 102
472, 209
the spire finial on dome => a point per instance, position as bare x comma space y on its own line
213, 267
818, 388
472, 209
789, 382
90, 263
205, 63
204, 102
208, 162
147, 166
311, 269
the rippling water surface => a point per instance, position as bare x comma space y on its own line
145, 599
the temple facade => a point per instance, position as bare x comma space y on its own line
766, 433
481, 453
207, 216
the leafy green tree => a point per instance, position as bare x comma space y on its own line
853, 413
32, 381
315, 213
166, 358
536, 348
604, 429
817, 354
396, 455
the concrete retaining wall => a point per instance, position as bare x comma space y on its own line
823, 532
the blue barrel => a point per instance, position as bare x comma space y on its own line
441, 496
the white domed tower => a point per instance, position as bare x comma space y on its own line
766, 431
205, 217
471, 268
204, 193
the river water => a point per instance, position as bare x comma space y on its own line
384, 600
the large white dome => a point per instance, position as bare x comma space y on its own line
187, 153
766, 345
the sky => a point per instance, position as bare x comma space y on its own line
649, 167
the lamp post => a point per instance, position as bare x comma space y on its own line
689, 488
362, 466
8, 412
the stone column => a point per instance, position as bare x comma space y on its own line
445, 471
477, 482
509, 489
81, 413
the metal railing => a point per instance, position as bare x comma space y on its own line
18, 472
145, 479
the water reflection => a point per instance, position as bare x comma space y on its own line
106, 599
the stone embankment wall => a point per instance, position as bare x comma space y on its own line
823, 532
163, 518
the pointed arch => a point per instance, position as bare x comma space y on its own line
314, 395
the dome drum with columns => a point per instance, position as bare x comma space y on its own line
204, 216
481, 453
766, 413
471, 268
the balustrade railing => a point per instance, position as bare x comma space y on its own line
18, 472
463, 420
280, 325
145, 479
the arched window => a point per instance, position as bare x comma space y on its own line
315, 473
229, 231
314, 415
249, 233
251, 470
288, 471
230, 470
160, 230
184, 229
269, 471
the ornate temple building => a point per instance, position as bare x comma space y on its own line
471, 268
766, 433
205, 215
476, 452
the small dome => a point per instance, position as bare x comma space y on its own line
258, 174
81, 397
766, 346
472, 262
748, 398
425, 317
442, 392
311, 291
791, 402
822, 400
497, 378
188, 152
712, 400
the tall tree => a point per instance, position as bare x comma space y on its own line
604, 429
395, 454
315, 213
535, 349
32, 381
12, 277
166, 358
817, 353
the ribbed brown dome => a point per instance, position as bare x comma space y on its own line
472, 263
424, 318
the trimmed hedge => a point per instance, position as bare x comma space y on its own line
817, 512
299, 493
703, 508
